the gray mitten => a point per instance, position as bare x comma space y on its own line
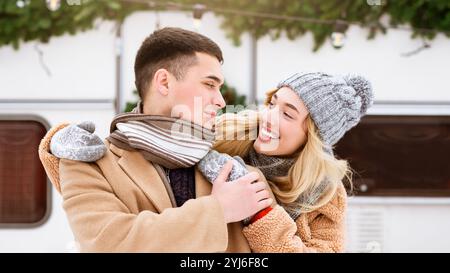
213, 162
78, 142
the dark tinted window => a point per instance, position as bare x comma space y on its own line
23, 182
399, 155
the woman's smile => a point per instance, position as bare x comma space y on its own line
265, 135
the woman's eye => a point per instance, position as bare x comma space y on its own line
270, 104
287, 115
210, 85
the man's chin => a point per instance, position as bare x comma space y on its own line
208, 124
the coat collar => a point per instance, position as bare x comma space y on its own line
146, 178
144, 174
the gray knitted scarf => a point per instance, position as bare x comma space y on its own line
273, 166
170, 142
270, 166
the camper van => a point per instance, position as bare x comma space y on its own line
31, 216
400, 152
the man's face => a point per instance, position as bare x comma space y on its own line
196, 97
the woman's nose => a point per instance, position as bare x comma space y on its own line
267, 117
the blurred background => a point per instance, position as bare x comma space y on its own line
69, 61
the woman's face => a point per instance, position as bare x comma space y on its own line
282, 129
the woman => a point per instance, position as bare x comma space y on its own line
291, 143
305, 116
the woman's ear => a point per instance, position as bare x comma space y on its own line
161, 81
305, 124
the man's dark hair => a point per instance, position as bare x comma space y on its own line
172, 49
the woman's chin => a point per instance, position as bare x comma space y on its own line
264, 148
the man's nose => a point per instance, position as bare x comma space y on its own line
218, 100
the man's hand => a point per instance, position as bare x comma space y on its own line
78, 142
243, 197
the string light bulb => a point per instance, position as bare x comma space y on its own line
22, 3
337, 39
338, 36
198, 11
53, 5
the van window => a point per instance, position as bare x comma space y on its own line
23, 182
399, 155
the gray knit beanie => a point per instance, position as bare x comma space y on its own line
335, 103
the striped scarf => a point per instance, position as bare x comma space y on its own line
170, 142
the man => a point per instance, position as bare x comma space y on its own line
125, 201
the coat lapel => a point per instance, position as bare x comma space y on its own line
202, 186
144, 174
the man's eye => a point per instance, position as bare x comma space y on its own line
210, 85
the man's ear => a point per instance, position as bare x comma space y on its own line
161, 81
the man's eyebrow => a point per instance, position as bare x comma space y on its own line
215, 78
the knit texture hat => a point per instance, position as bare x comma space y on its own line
335, 103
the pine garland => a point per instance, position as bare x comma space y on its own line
35, 21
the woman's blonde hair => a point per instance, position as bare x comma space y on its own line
236, 134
